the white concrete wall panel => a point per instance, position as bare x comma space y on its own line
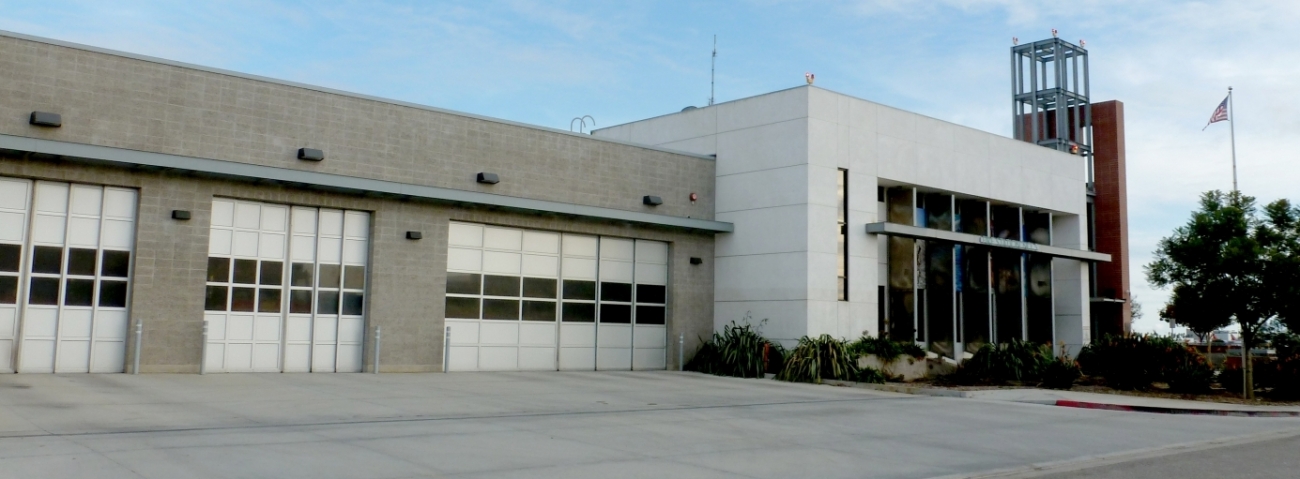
764, 231
763, 147
769, 277
762, 189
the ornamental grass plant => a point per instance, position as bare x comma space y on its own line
816, 359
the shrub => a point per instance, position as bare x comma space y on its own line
1014, 361
1134, 362
816, 359
1286, 344
1189, 372
1061, 373
885, 349
1231, 377
738, 350
1286, 377
1281, 377
871, 375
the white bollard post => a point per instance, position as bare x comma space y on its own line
203, 361
681, 352
139, 334
446, 348
377, 349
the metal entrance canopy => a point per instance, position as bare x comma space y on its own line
915, 232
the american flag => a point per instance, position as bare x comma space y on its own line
1220, 114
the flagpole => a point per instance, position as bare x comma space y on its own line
1232, 129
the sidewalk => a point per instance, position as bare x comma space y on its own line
1113, 402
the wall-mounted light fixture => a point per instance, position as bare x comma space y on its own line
652, 200
45, 118
310, 154
697, 260
183, 215
488, 178
414, 235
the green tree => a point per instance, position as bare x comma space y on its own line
1198, 312
1227, 261
1279, 238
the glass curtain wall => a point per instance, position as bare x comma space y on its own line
945, 294
973, 276
899, 205
1008, 304
938, 291
1039, 314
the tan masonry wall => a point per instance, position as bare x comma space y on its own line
408, 278
118, 101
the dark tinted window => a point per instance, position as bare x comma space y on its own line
81, 261
117, 264
300, 301
500, 285
462, 308
112, 294
585, 290
463, 283
500, 309
272, 273
245, 271
616, 313
354, 277
219, 270
8, 289
650, 293
215, 299
47, 259
539, 288
579, 312
353, 304
327, 302
539, 311
301, 274
9, 257
79, 292
241, 299
649, 315
268, 301
616, 292
329, 275
44, 291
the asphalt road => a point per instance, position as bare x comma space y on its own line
1271, 459
537, 425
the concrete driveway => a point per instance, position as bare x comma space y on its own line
530, 425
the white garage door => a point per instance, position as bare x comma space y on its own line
531, 300
263, 316
65, 264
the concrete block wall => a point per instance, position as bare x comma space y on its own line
120, 100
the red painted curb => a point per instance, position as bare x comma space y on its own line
1173, 410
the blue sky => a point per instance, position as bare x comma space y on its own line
547, 62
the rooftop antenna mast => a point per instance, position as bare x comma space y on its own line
713, 64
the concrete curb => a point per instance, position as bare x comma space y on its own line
1173, 410
903, 389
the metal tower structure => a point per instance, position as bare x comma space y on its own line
1049, 87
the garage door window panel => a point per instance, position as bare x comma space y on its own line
74, 321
